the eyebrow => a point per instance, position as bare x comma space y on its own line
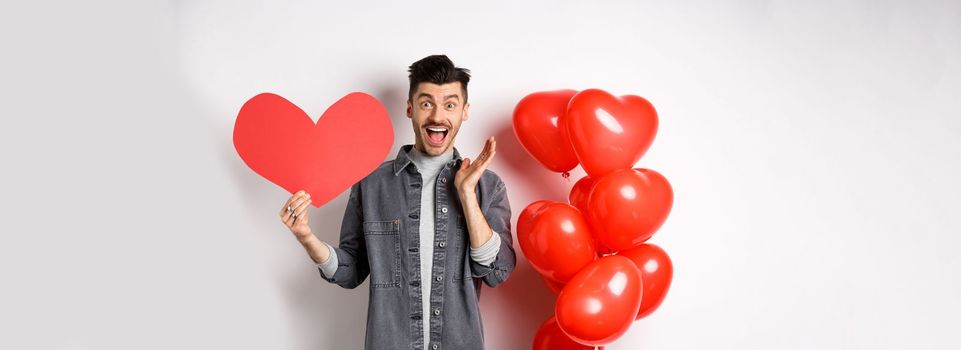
424, 94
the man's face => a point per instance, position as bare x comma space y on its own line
436, 112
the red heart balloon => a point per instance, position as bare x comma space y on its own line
609, 133
550, 337
559, 243
580, 192
525, 221
277, 140
579, 199
537, 126
656, 271
599, 304
628, 206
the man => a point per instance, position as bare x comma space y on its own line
427, 227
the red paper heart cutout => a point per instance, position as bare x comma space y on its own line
277, 140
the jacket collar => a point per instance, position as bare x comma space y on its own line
403, 160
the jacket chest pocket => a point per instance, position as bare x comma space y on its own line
383, 252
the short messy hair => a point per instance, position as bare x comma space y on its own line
437, 69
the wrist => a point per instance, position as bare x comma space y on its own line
308, 240
318, 251
466, 195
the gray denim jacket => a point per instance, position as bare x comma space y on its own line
380, 237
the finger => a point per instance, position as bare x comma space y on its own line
290, 201
490, 148
294, 214
490, 158
285, 216
486, 150
493, 148
491, 151
486, 162
295, 197
480, 156
299, 202
284, 212
300, 211
301, 219
287, 212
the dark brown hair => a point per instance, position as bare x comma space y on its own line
437, 69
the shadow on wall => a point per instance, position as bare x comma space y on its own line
394, 98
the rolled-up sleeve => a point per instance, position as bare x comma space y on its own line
352, 267
328, 267
487, 252
497, 211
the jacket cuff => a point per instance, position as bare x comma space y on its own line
487, 253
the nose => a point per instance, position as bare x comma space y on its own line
435, 119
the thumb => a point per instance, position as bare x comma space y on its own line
465, 164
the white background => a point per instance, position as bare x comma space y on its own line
814, 148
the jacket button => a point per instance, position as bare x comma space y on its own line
436, 311
442, 244
443, 180
443, 210
434, 347
413, 215
440, 278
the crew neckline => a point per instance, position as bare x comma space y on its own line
425, 161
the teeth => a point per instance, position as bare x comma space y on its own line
437, 129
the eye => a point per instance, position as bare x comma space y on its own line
450, 105
425, 104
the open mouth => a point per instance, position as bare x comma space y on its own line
436, 135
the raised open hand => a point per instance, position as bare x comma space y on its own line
470, 172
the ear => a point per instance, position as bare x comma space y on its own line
409, 109
466, 113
